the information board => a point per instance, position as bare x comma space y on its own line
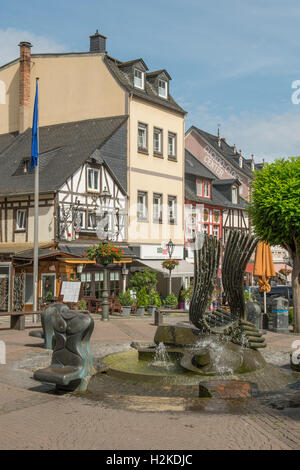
70, 291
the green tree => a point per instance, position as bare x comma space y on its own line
146, 278
275, 214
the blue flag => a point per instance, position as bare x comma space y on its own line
35, 141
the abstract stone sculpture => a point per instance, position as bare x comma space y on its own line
47, 317
71, 367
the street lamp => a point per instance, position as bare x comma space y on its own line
170, 246
105, 197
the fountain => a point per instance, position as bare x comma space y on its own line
217, 345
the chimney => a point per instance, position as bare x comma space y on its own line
24, 86
252, 162
240, 159
97, 42
234, 148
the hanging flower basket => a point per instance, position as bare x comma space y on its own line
170, 264
105, 253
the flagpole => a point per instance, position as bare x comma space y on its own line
36, 231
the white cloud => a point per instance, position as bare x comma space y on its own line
11, 37
267, 136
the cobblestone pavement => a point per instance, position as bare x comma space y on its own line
31, 418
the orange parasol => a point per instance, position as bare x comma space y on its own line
263, 266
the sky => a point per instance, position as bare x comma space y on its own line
232, 63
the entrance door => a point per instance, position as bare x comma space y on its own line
48, 286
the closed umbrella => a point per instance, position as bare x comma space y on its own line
264, 269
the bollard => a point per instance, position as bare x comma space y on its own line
158, 317
280, 314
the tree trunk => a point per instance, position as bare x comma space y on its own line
296, 291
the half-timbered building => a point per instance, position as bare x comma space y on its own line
79, 161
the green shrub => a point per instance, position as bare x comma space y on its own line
154, 299
125, 299
142, 298
171, 301
81, 305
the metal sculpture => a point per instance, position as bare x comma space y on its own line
232, 322
71, 367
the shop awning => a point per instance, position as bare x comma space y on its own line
184, 269
77, 260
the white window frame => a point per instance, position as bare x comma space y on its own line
234, 195
143, 141
172, 211
81, 214
163, 91
90, 227
21, 227
216, 228
172, 145
142, 208
93, 187
159, 132
206, 229
139, 82
199, 184
157, 217
206, 192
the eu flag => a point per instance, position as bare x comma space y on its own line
34, 141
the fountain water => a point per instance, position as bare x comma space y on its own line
161, 357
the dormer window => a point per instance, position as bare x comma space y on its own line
234, 194
26, 166
203, 188
138, 79
163, 89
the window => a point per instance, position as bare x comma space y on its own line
206, 229
21, 219
163, 88
86, 284
79, 222
172, 209
234, 194
199, 190
206, 189
26, 167
98, 285
138, 79
157, 208
157, 140
216, 231
92, 223
93, 179
172, 145
142, 136
142, 206
114, 278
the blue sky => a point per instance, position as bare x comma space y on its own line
232, 62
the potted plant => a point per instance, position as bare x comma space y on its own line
142, 301
126, 300
104, 253
81, 305
153, 301
171, 301
49, 297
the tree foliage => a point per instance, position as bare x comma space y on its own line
146, 278
275, 205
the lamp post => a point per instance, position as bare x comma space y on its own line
170, 246
105, 197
